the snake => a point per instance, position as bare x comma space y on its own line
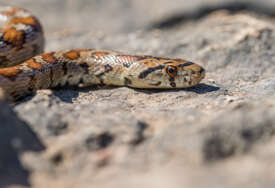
25, 68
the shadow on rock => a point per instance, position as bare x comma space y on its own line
69, 93
199, 89
202, 88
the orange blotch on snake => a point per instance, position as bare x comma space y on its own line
27, 21
10, 35
10, 71
72, 55
32, 64
14, 37
48, 57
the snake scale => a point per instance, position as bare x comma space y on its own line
24, 68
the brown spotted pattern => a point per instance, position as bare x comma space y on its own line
22, 34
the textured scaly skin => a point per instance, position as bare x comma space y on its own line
21, 37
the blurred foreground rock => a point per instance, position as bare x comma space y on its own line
15, 138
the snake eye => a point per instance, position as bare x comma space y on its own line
171, 70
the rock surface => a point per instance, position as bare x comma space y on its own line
219, 133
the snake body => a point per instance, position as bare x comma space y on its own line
23, 71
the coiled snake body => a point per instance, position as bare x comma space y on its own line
21, 38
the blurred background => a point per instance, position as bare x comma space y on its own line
118, 16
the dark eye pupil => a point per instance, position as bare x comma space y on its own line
171, 70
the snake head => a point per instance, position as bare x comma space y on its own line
182, 74
171, 73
